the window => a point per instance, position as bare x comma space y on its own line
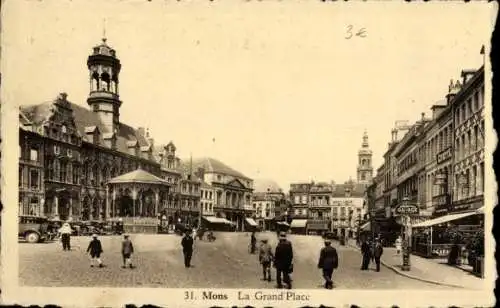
34, 208
481, 177
469, 107
20, 178
34, 154
473, 181
476, 101
63, 171
464, 147
34, 179
57, 170
75, 174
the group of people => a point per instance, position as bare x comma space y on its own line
94, 248
282, 260
371, 251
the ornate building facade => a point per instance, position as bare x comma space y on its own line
468, 122
69, 154
233, 191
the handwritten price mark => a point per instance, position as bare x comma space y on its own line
361, 32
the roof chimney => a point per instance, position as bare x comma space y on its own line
141, 131
453, 89
394, 133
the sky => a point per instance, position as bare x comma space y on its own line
276, 84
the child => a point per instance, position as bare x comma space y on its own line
127, 251
95, 250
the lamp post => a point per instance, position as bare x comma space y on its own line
372, 220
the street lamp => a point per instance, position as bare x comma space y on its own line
372, 220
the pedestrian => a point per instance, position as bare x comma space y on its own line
95, 250
377, 253
328, 261
265, 258
398, 245
253, 243
65, 232
127, 251
366, 253
283, 261
187, 247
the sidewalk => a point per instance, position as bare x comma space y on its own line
428, 270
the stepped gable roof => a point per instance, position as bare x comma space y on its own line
138, 176
84, 117
266, 186
215, 166
357, 190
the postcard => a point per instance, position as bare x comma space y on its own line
234, 153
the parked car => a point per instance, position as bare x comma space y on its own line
33, 229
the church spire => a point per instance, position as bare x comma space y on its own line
365, 140
365, 169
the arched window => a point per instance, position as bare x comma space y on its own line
94, 82
95, 175
105, 81
76, 174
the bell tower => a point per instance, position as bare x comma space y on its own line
104, 69
365, 169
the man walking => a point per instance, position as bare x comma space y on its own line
265, 258
187, 247
283, 258
377, 253
253, 243
366, 253
65, 232
127, 251
95, 250
328, 261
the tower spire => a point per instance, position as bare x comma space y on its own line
190, 164
104, 30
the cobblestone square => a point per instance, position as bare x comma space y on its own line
224, 263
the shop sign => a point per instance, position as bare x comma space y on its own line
407, 209
444, 155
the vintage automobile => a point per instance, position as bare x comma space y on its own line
33, 229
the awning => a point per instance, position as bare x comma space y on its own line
317, 226
251, 222
367, 226
443, 219
480, 210
217, 220
299, 223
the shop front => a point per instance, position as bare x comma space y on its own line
447, 234
298, 226
318, 226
